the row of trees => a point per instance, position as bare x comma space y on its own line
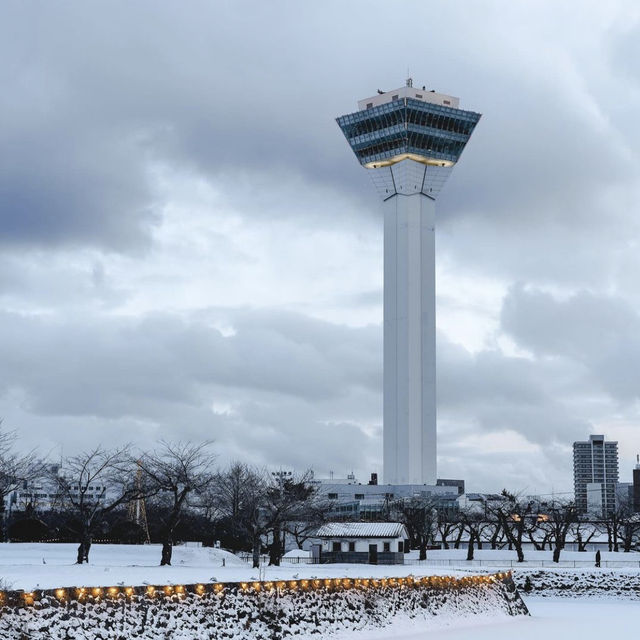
243, 506
249, 510
513, 522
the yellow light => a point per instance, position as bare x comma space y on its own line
219, 587
200, 588
269, 586
151, 591
113, 591
256, 586
96, 592
244, 586
305, 584
316, 584
129, 591
376, 164
293, 584
281, 584
60, 593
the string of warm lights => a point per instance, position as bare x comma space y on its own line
97, 594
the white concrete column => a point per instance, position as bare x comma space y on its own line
409, 340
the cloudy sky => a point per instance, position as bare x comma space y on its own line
188, 248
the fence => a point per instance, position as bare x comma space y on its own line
496, 564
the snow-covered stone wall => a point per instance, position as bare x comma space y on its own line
254, 611
618, 583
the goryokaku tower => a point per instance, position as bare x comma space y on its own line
409, 139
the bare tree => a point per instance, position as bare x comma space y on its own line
583, 532
621, 525
16, 470
447, 526
242, 500
561, 517
305, 520
176, 472
92, 484
493, 533
516, 516
287, 499
612, 523
419, 515
630, 530
478, 526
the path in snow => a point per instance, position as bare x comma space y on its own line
551, 619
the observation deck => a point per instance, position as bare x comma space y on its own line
408, 124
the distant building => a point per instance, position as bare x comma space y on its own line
595, 475
457, 484
352, 500
43, 493
624, 494
363, 542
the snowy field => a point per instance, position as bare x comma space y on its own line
46, 566
552, 619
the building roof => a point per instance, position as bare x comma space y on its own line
362, 530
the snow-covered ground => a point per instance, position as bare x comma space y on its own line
46, 566
551, 619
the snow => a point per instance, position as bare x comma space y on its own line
31, 566
297, 553
550, 618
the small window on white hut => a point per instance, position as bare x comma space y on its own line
336, 547
386, 546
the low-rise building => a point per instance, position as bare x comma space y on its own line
362, 543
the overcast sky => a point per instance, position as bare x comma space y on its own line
189, 249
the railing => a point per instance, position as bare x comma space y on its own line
514, 564
496, 564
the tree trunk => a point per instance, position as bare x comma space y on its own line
423, 549
556, 553
470, 547
518, 546
458, 539
167, 550
256, 552
83, 548
275, 549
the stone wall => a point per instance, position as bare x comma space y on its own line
618, 583
253, 611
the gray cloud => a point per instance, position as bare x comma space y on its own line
120, 126
598, 331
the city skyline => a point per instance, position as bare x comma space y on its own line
188, 251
